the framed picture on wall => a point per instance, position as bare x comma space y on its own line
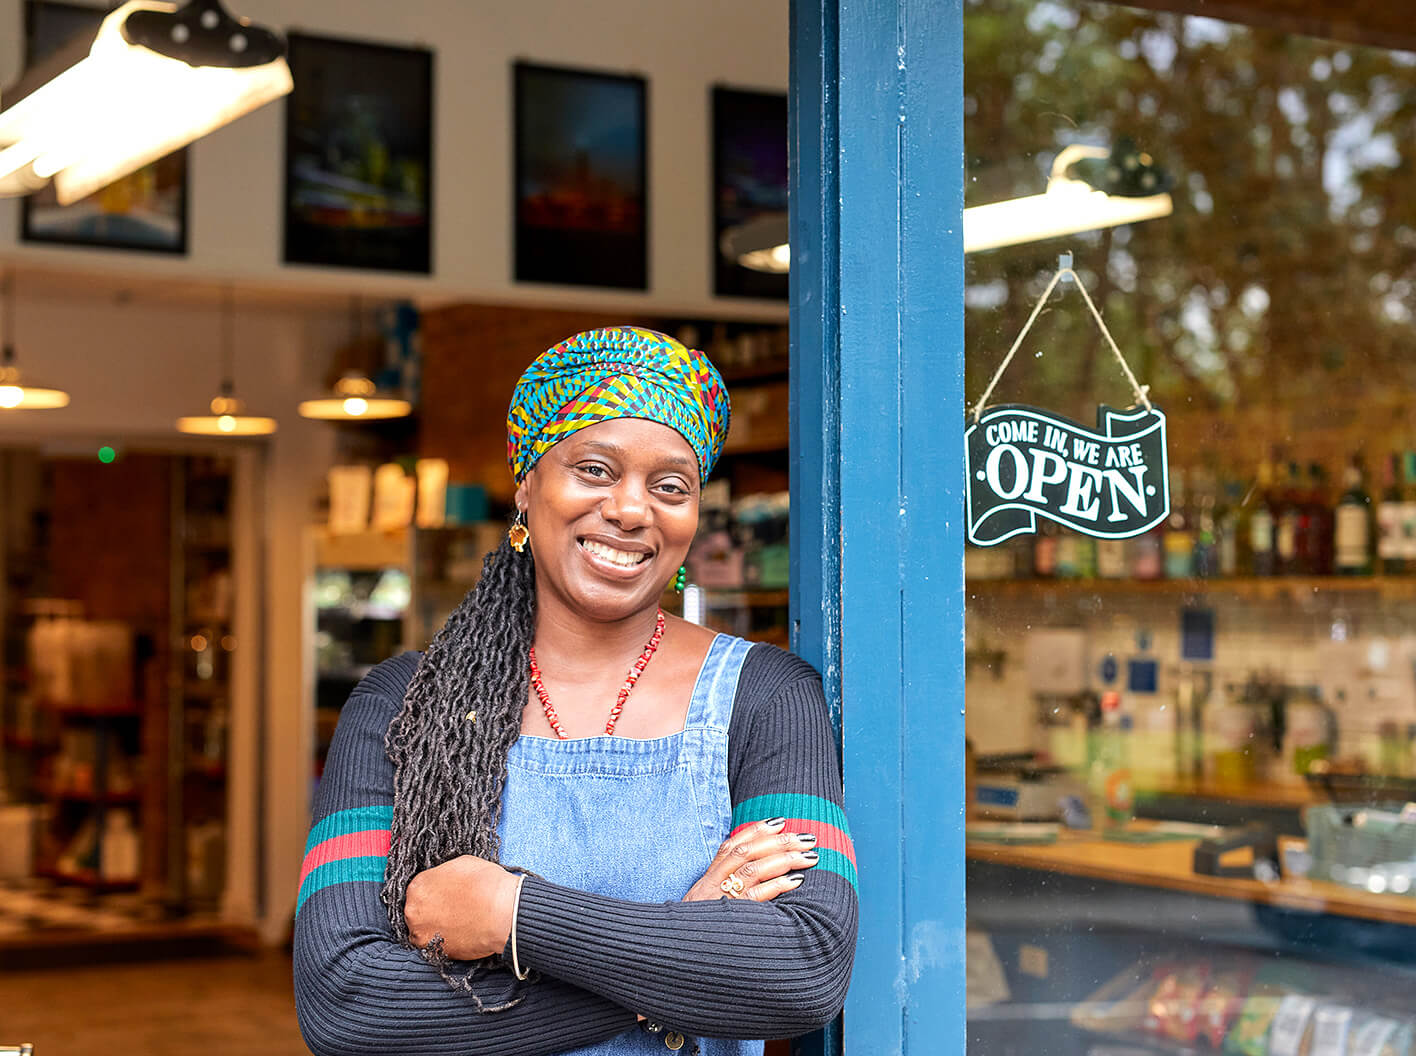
749, 182
358, 155
580, 192
146, 209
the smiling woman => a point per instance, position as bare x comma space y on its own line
575, 821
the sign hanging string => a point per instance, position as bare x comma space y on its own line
1064, 271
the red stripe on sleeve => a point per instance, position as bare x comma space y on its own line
366, 844
828, 837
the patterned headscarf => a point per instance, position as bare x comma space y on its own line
620, 372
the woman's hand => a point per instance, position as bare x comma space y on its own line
763, 859
468, 901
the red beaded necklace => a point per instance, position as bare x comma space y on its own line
629, 681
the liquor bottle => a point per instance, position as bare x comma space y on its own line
1391, 512
1408, 509
1045, 550
1289, 523
1262, 557
1352, 525
1111, 559
1179, 546
1315, 543
1230, 526
1206, 553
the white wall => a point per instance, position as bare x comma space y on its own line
133, 367
682, 48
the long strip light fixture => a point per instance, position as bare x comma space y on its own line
1126, 188
15, 393
153, 78
227, 417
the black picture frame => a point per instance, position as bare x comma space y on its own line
145, 210
358, 181
580, 191
749, 180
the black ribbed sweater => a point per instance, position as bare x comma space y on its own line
731, 969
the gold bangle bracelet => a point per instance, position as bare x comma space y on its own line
516, 908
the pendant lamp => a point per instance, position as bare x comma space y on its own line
227, 417
15, 393
154, 77
355, 397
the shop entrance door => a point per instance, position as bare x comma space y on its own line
877, 540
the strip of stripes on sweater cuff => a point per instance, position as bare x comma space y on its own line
348, 846
814, 814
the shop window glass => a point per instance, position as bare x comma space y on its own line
1193, 752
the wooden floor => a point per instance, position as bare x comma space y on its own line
218, 1006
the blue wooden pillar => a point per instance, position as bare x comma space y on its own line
877, 476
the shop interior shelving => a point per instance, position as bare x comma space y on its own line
1259, 588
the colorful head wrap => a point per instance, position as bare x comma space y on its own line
619, 372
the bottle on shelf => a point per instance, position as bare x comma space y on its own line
1391, 511
1109, 772
1179, 545
1111, 559
1045, 550
1260, 539
1230, 526
1205, 560
1289, 524
1408, 509
1315, 542
1352, 524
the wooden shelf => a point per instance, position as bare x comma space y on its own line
88, 879
1169, 866
1262, 588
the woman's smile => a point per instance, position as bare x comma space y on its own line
624, 558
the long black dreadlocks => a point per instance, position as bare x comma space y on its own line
449, 769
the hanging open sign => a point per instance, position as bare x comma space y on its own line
1024, 463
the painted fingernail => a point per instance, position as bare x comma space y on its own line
810, 856
807, 838
795, 878
775, 823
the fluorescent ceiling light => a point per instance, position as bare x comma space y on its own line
1069, 206
152, 79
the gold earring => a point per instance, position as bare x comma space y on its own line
518, 533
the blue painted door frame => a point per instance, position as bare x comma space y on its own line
877, 409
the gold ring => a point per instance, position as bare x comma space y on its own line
732, 885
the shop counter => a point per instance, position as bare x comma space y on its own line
1169, 865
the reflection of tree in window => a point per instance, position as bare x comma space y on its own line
1286, 271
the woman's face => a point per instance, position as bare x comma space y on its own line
611, 511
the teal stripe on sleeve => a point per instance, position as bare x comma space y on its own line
355, 819
838, 863
790, 805
343, 871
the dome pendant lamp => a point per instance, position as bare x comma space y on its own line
226, 417
15, 393
354, 397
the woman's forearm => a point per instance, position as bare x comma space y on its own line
729, 969
357, 992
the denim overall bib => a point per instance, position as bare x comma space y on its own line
631, 819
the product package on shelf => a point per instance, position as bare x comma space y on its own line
1244, 1005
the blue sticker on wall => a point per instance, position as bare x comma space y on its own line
1197, 634
1109, 669
1142, 676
